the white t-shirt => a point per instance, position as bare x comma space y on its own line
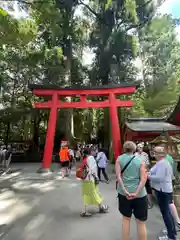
101, 160
92, 167
71, 152
78, 154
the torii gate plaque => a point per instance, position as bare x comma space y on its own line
112, 103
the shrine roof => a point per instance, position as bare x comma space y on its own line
171, 123
151, 126
174, 117
146, 119
57, 87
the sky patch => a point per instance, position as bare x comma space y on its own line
171, 7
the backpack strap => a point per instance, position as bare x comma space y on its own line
127, 164
84, 162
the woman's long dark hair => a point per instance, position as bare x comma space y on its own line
86, 152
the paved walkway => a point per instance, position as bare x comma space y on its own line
39, 208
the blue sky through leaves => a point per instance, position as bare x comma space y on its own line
171, 7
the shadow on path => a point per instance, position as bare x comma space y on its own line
47, 209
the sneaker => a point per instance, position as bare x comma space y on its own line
164, 231
163, 237
150, 205
178, 227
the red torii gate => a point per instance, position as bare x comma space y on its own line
112, 103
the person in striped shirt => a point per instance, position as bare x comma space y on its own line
144, 157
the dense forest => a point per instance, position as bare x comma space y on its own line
128, 41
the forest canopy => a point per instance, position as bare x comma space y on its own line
128, 41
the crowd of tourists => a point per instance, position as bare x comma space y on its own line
136, 181
69, 157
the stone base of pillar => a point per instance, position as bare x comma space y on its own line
44, 171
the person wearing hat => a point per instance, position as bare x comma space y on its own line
64, 160
160, 176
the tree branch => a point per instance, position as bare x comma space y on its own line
141, 24
30, 3
102, 20
146, 3
25, 2
146, 21
90, 9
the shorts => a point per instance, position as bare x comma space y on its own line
148, 187
137, 206
65, 164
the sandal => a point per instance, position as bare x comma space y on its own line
150, 205
103, 209
85, 214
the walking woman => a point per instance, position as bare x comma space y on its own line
90, 191
161, 181
131, 175
102, 161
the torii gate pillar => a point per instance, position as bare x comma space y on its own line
49, 145
117, 145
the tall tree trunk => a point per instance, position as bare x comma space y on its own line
36, 123
12, 107
6, 141
67, 50
107, 130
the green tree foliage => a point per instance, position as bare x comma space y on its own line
39, 50
158, 42
111, 37
159, 53
48, 46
